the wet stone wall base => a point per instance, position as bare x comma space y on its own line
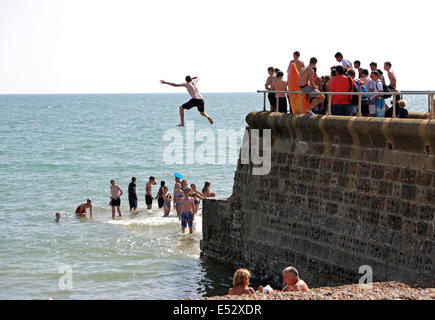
342, 192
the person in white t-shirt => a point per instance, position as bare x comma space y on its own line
344, 62
195, 101
378, 100
372, 102
374, 67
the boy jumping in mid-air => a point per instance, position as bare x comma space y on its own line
196, 101
187, 207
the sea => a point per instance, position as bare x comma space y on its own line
58, 150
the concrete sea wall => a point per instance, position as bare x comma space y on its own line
342, 192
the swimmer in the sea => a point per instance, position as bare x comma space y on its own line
184, 184
187, 206
167, 203
81, 209
197, 197
160, 194
57, 217
115, 198
148, 196
206, 191
177, 197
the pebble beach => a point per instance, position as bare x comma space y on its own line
421, 290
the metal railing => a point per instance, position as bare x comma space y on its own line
394, 94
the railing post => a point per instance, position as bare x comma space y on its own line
328, 112
359, 104
264, 101
432, 109
302, 103
394, 105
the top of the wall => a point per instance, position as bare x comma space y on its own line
396, 136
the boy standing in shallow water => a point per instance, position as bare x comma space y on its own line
241, 283
115, 198
187, 207
148, 196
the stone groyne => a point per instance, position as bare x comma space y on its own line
343, 192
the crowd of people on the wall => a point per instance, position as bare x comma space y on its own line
345, 77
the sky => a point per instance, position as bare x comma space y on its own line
127, 46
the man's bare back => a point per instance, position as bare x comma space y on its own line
299, 64
279, 85
306, 77
240, 290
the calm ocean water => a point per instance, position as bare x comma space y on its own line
57, 150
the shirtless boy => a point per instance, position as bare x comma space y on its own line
160, 195
299, 64
391, 75
148, 196
308, 86
241, 283
357, 65
187, 206
81, 209
268, 86
196, 101
279, 84
115, 200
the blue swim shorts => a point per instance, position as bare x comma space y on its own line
187, 219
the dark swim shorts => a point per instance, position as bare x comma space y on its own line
133, 202
148, 199
160, 201
199, 103
116, 203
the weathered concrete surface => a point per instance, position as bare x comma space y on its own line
342, 192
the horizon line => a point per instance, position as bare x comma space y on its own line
96, 93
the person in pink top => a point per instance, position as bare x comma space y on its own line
195, 101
